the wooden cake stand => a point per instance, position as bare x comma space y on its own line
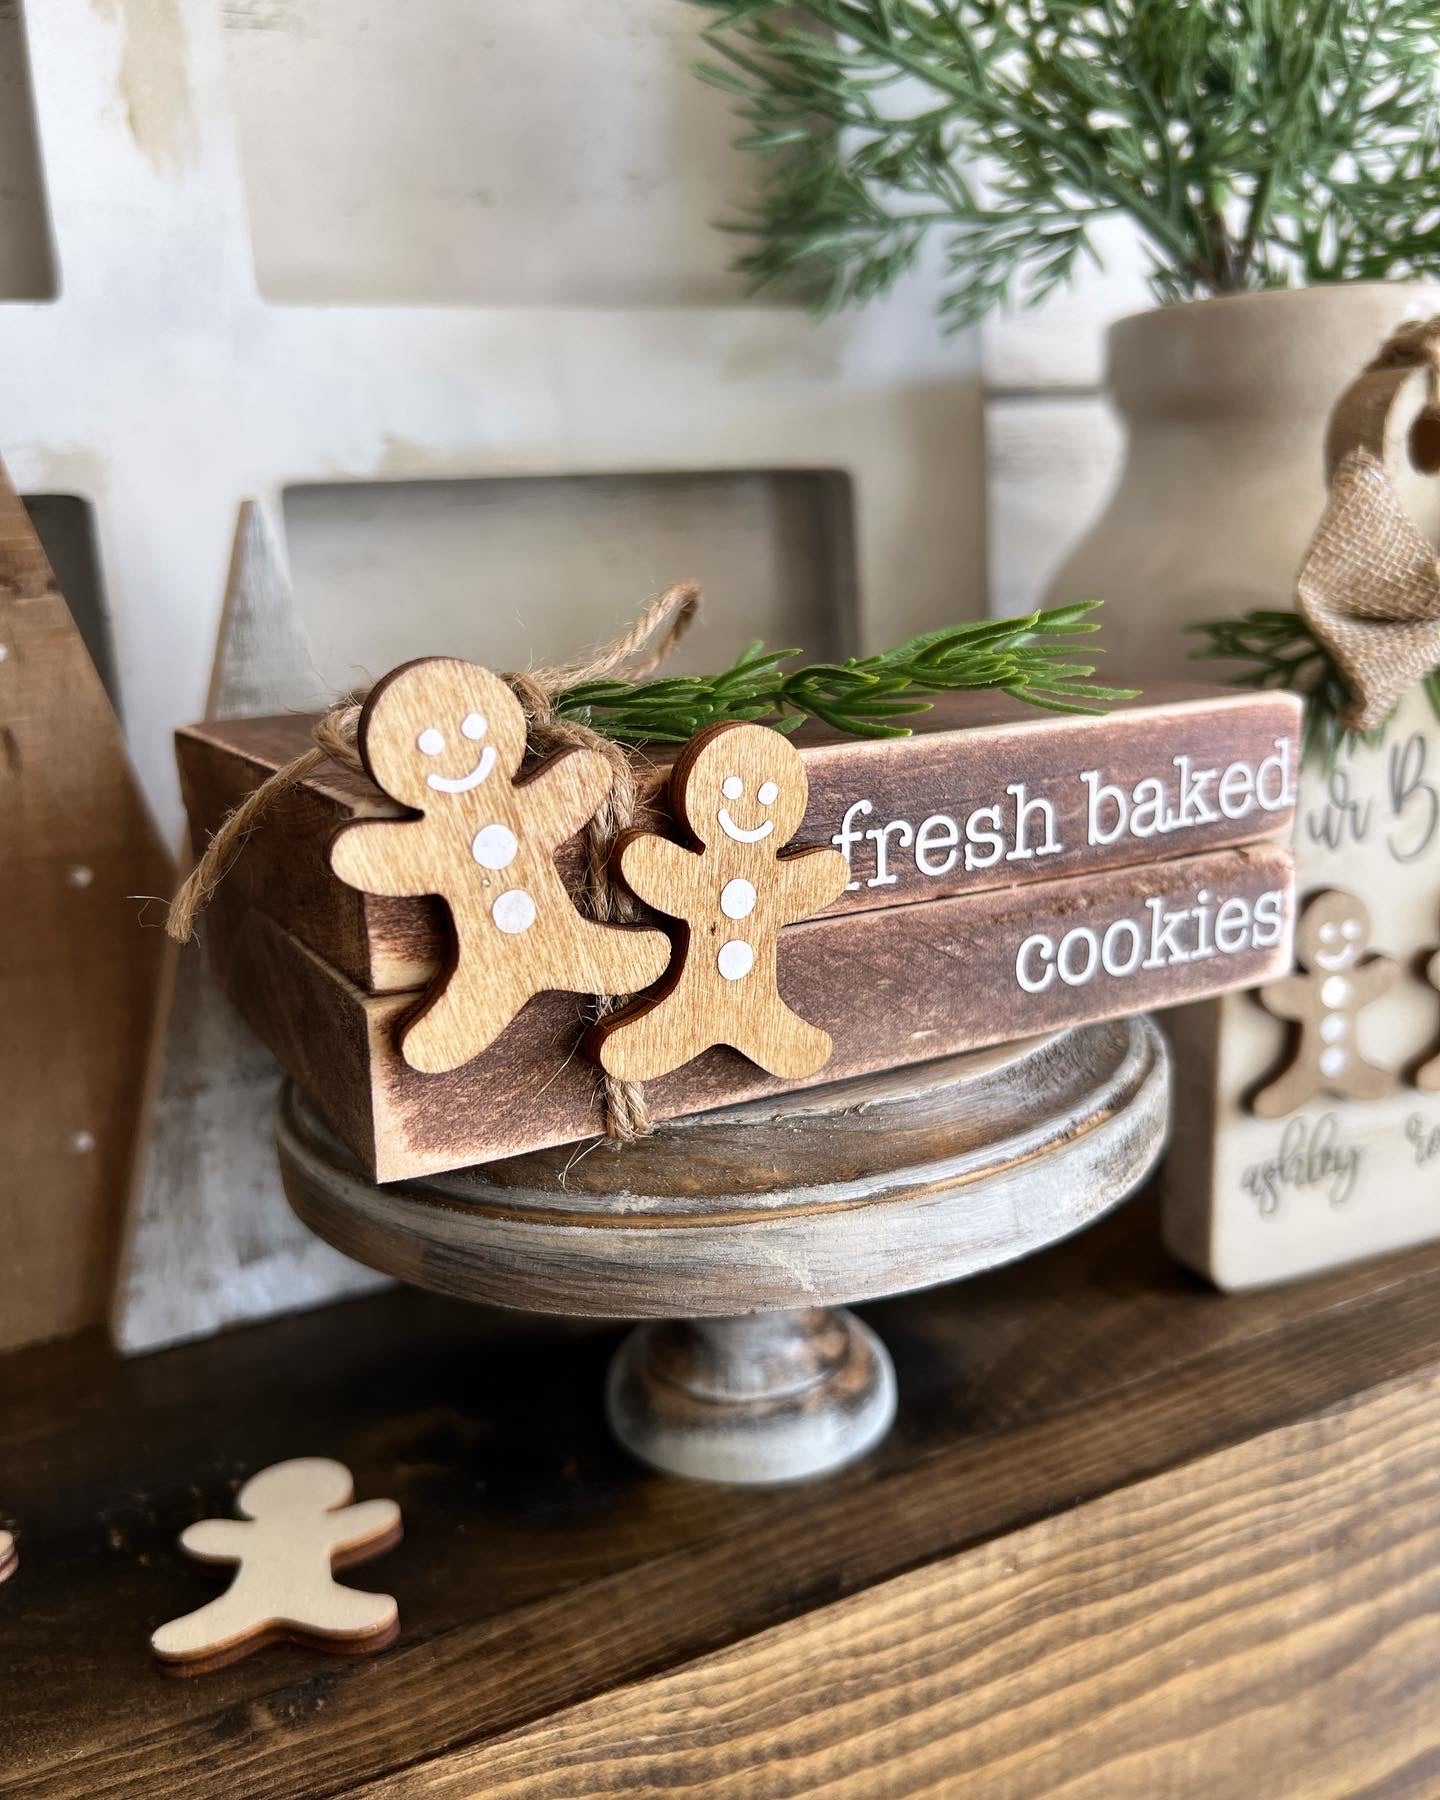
739, 1235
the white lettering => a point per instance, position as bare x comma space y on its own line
974, 837
1043, 947
845, 837
882, 835
938, 832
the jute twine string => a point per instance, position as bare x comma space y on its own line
1369, 585
635, 653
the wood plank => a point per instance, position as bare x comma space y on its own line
919, 982
1234, 1658
1051, 465
79, 973
540, 1567
873, 800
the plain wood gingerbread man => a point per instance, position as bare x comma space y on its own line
447, 738
1427, 1076
1324, 1000
297, 1522
741, 791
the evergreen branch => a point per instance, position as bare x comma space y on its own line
1278, 650
1030, 658
1255, 143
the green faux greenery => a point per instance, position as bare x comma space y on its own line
1278, 650
865, 696
1255, 143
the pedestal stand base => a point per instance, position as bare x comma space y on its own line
769, 1398
740, 1236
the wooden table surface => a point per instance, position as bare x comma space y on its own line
1128, 1538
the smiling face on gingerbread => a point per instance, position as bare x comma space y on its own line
1332, 934
441, 727
746, 785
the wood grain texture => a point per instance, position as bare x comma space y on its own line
875, 797
1051, 463
919, 982
1124, 1651
739, 793
298, 1525
446, 738
543, 1568
78, 969
856, 1190
209, 1239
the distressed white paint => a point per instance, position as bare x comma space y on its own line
210, 1240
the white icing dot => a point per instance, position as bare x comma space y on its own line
494, 846
79, 875
82, 1142
1335, 990
737, 898
732, 787
735, 960
513, 911
4, 651
768, 794
473, 725
430, 741
1334, 1026
1333, 1060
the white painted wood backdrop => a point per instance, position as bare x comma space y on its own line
483, 250
1053, 445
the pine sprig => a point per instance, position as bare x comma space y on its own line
1279, 650
1255, 143
1030, 658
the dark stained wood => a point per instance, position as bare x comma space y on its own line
541, 1570
962, 757
986, 1673
79, 973
899, 986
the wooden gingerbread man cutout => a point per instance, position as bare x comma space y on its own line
298, 1527
1324, 1000
741, 791
447, 737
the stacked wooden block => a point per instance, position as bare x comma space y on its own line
1013, 872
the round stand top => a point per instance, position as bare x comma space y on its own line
863, 1188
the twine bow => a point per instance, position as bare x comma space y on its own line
1369, 584
636, 652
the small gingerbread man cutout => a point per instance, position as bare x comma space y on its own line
741, 791
447, 738
1325, 1001
298, 1527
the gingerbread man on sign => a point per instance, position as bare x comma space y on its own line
1324, 1001
447, 738
741, 791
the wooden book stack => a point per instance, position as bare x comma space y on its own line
1011, 872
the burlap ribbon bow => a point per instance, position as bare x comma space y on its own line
1369, 584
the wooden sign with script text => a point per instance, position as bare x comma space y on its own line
1316, 1138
